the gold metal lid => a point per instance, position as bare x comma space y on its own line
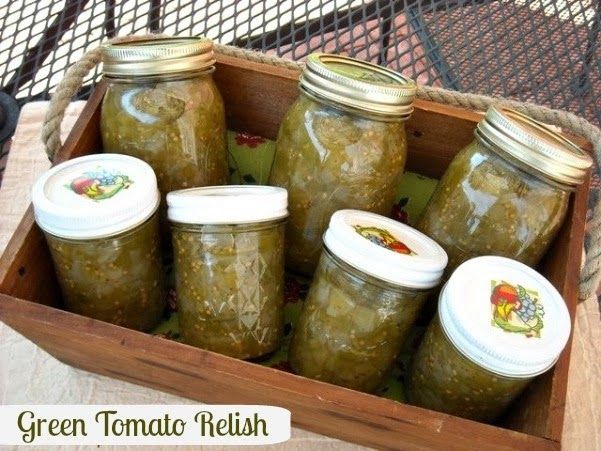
358, 85
158, 56
535, 145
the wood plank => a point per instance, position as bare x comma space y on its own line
25, 266
545, 399
206, 376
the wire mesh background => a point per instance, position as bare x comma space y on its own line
543, 51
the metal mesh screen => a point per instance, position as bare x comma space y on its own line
545, 51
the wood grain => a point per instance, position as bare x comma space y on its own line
206, 376
257, 97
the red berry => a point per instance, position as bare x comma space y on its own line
80, 184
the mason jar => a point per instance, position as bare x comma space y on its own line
162, 106
499, 325
342, 144
228, 245
507, 192
99, 217
373, 277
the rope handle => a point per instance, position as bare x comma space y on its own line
591, 272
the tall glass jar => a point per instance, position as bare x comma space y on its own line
506, 193
98, 214
342, 144
228, 245
162, 106
373, 277
499, 325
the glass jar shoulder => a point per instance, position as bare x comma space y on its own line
320, 134
177, 126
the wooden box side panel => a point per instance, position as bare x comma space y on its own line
544, 401
26, 269
208, 377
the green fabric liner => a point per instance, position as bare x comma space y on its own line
250, 162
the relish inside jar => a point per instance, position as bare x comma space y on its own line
506, 193
499, 325
373, 277
339, 148
98, 214
228, 245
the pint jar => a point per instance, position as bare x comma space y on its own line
228, 245
372, 279
506, 193
98, 214
162, 106
499, 325
342, 144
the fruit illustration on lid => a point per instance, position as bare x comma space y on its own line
516, 309
99, 184
383, 238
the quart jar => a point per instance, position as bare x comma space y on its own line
98, 214
342, 144
506, 193
228, 245
372, 279
499, 325
162, 106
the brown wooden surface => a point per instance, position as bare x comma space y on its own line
435, 133
206, 376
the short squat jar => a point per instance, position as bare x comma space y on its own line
228, 245
342, 144
162, 106
499, 325
373, 277
98, 214
506, 193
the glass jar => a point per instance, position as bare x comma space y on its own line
499, 325
506, 193
373, 277
342, 144
98, 214
228, 245
162, 106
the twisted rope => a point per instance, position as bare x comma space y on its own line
591, 272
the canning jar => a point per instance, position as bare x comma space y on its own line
499, 325
98, 214
506, 193
372, 279
162, 106
342, 144
228, 245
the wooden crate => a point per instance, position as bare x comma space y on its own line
256, 97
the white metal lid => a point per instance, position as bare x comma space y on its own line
504, 316
235, 204
385, 249
95, 196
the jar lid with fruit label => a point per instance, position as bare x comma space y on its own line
234, 204
385, 249
504, 316
95, 196
358, 86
